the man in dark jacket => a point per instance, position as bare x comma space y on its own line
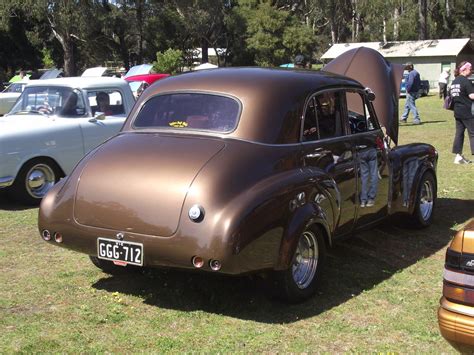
412, 85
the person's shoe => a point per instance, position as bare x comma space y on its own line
417, 122
403, 120
363, 204
370, 203
459, 159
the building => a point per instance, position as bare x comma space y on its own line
429, 57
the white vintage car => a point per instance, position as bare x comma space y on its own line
9, 96
52, 126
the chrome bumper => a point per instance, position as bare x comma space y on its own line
6, 181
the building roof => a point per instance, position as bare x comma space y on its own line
403, 49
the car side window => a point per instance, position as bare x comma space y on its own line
360, 118
106, 101
322, 118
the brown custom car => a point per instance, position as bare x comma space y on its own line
246, 170
456, 311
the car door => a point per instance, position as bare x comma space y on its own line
96, 130
371, 158
327, 148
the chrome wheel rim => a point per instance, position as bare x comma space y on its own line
39, 179
426, 200
305, 261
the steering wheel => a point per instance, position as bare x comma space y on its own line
45, 109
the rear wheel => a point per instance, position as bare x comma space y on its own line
34, 180
422, 215
300, 281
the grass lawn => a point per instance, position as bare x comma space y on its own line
380, 292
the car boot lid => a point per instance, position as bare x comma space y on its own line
112, 185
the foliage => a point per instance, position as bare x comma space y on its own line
169, 61
47, 59
79, 34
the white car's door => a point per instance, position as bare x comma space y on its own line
95, 132
110, 102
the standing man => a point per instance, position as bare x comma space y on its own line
413, 83
300, 61
443, 83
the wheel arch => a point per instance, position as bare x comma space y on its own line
308, 216
42, 158
422, 170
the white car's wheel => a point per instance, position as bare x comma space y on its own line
34, 180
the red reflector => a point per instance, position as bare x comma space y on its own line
120, 263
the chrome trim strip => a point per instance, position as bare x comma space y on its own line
6, 181
458, 278
456, 307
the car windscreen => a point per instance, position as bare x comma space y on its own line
14, 88
61, 101
189, 111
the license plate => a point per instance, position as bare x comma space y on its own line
119, 251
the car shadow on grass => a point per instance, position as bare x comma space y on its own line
353, 266
7, 205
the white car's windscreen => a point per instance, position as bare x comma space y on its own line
60, 101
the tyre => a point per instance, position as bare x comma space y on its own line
300, 281
110, 268
34, 180
425, 201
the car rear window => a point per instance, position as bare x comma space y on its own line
192, 111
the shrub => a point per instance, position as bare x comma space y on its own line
170, 61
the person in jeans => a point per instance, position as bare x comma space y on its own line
413, 84
462, 92
369, 177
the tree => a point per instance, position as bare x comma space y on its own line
275, 35
170, 61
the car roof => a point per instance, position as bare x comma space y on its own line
272, 100
80, 82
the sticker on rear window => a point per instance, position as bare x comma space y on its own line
178, 124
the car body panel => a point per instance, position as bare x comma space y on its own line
9, 96
142, 81
64, 139
456, 311
258, 185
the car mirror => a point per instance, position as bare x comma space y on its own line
100, 116
370, 94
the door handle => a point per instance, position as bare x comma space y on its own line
314, 155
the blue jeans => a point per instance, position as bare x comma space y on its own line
411, 106
368, 174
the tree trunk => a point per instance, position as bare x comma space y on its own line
69, 62
448, 11
384, 30
396, 23
422, 11
204, 51
140, 30
354, 19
